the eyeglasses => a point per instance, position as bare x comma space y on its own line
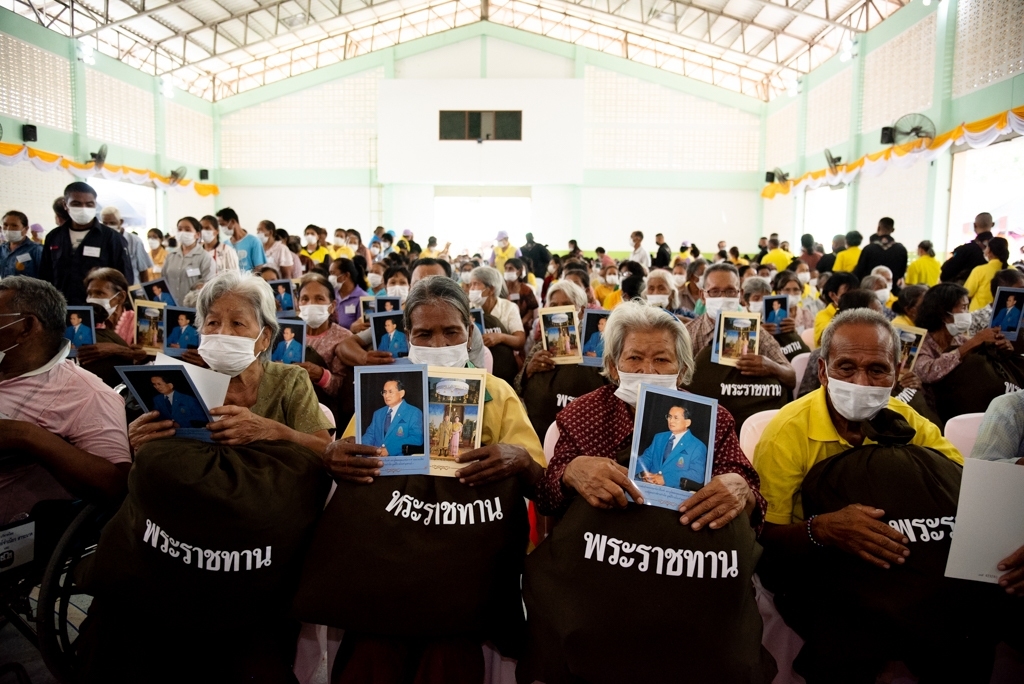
723, 293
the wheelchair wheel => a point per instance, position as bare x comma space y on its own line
63, 604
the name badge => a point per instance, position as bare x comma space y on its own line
23, 258
242, 254
91, 252
157, 269
351, 309
513, 297
192, 272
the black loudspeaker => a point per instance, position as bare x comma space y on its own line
28, 133
769, 177
888, 135
204, 174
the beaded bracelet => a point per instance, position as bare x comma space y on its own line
811, 536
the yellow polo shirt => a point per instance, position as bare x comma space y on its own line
847, 260
779, 258
429, 253
802, 435
319, 255
979, 284
822, 320
612, 300
904, 321
923, 270
342, 251
892, 300
505, 420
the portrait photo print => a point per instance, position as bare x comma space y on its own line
738, 333
80, 328
290, 343
776, 309
456, 406
391, 414
149, 325
673, 445
1006, 311
157, 291
284, 297
389, 333
593, 336
182, 334
560, 334
910, 344
170, 391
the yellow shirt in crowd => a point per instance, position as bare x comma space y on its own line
612, 300
342, 251
505, 420
429, 253
979, 284
601, 291
318, 255
904, 321
501, 255
821, 322
847, 260
778, 258
802, 434
923, 271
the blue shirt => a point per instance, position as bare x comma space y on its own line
24, 260
250, 253
686, 460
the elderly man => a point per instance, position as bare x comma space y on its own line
137, 252
62, 430
396, 424
80, 245
675, 458
19, 255
722, 293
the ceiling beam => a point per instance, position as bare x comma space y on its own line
140, 15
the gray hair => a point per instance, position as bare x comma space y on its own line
255, 290
871, 282
111, 211
636, 316
437, 289
756, 285
691, 269
665, 277
721, 266
40, 299
492, 278
573, 291
858, 317
882, 269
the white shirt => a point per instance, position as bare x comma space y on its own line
77, 236
508, 313
642, 257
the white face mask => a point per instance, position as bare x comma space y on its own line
210, 235
105, 303
310, 240
400, 291
658, 299
315, 314
857, 402
678, 279
353, 244
716, 305
82, 215
629, 384
465, 277
264, 238
511, 276
552, 269
961, 323
186, 239
154, 243
883, 295
476, 297
375, 249
4, 352
13, 235
333, 280
612, 279
700, 282
226, 232
792, 300
338, 241
455, 356
228, 354
756, 307
375, 279
804, 278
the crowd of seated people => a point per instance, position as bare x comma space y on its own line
64, 432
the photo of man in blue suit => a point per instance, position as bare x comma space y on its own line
777, 314
78, 333
184, 410
284, 298
185, 336
396, 423
595, 345
1008, 318
393, 340
158, 294
675, 458
289, 349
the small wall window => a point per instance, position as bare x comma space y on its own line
481, 126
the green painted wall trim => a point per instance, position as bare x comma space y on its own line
50, 139
692, 180
32, 33
293, 177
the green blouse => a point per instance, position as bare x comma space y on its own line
286, 395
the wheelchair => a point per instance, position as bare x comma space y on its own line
54, 585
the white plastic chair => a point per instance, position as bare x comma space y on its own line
799, 364
808, 337
488, 360
550, 439
751, 431
329, 415
962, 431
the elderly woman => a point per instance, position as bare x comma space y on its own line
689, 293
236, 316
577, 273
191, 263
642, 345
546, 387
660, 290
487, 291
438, 323
907, 303
883, 291
107, 291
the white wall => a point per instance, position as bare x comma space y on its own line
295, 208
186, 203
551, 150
